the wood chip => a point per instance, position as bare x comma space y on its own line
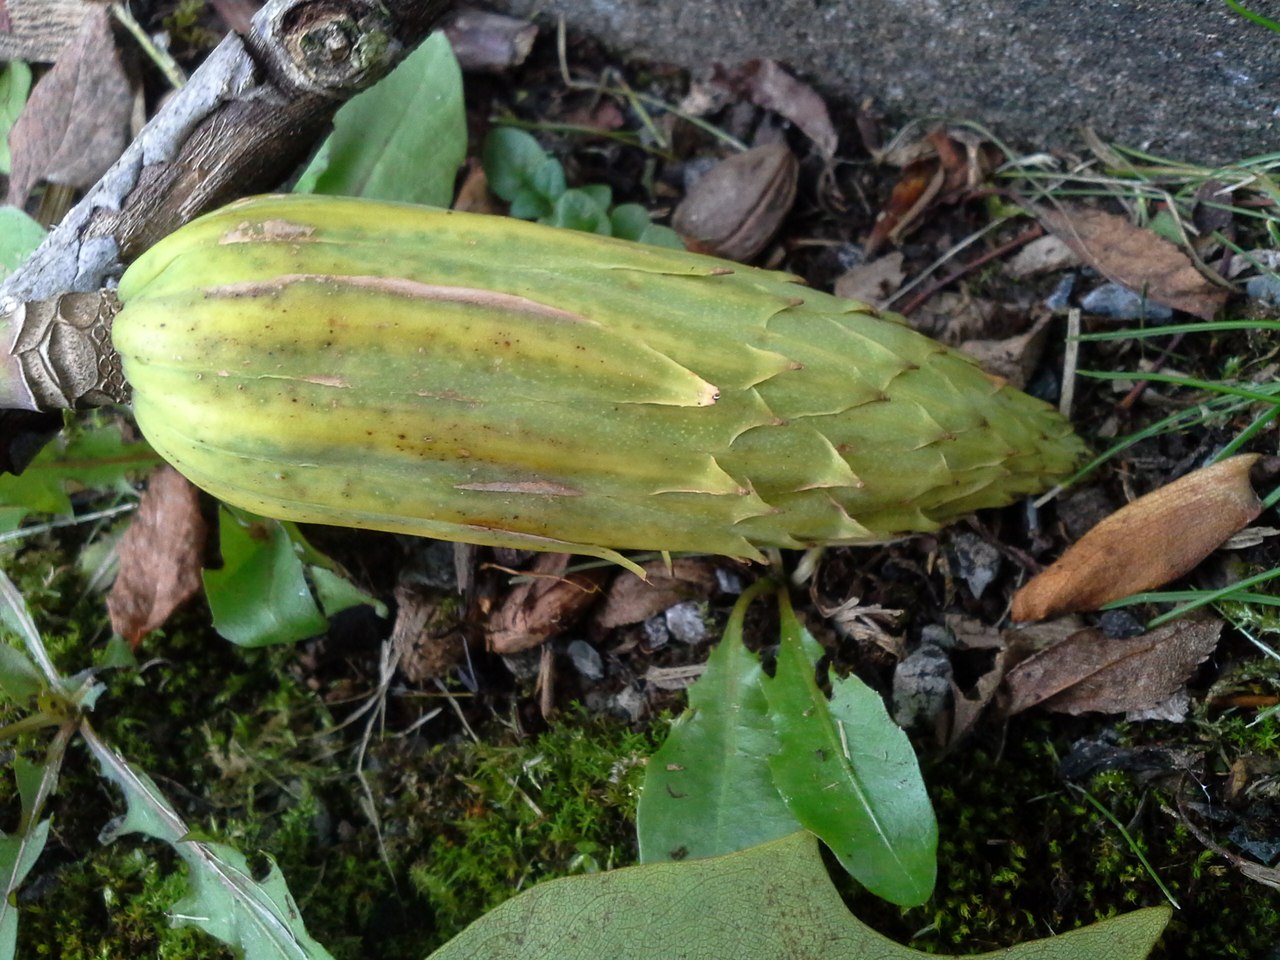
632, 600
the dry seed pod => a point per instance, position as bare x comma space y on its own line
737, 207
1147, 543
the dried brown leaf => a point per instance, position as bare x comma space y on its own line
1089, 672
1134, 257
75, 124
632, 600
160, 556
873, 282
542, 607
766, 84
737, 207
1147, 543
1012, 358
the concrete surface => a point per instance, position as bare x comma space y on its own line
1188, 78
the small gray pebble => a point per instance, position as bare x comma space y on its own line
524, 665
656, 633
586, 659
685, 622
977, 562
921, 686
1120, 303
1060, 299
936, 635
1265, 289
630, 704
728, 581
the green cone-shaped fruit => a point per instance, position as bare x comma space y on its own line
481, 379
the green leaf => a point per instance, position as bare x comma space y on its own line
336, 593
15, 85
521, 172
96, 458
28, 776
18, 854
401, 140
660, 236
629, 221
708, 790
257, 918
579, 210
848, 773
19, 236
770, 901
601, 193
15, 615
260, 596
20, 681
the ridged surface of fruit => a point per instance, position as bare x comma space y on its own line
487, 380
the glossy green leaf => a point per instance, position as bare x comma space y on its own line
403, 139
18, 854
708, 790
848, 773
15, 85
96, 458
260, 596
773, 900
257, 918
19, 236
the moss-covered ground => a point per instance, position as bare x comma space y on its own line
250, 751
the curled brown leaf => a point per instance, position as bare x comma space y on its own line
1147, 543
1135, 258
542, 607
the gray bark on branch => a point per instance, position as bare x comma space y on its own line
248, 117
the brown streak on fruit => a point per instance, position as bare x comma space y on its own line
541, 487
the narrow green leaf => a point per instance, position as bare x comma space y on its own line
773, 900
15, 615
18, 854
848, 773
19, 236
28, 776
260, 596
401, 140
15, 85
708, 790
96, 458
259, 919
